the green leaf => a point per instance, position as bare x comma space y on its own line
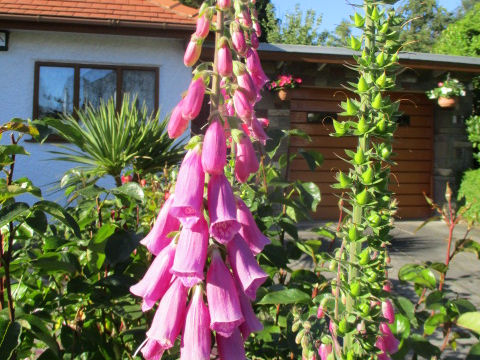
401, 326
433, 322
435, 301
423, 347
18, 187
12, 212
119, 246
38, 221
313, 158
52, 263
283, 297
468, 245
438, 266
417, 274
38, 327
474, 353
9, 338
471, 321
311, 195
463, 306
131, 190
407, 308
59, 213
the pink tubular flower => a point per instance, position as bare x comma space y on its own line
196, 340
225, 64
239, 43
242, 106
214, 152
157, 239
152, 350
320, 312
245, 82
224, 4
387, 311
246, 18
383, 356
221, 208
170, 315
258, 132
231, 348
249, 230
264, 121
203, 27
255, 67
390, 342
251, 324
245, 267
188, 199
254, 40
324, 351
257, 28
191, 254
193, 51
156, 280
177, 123
224, 305
192, 103
246, 160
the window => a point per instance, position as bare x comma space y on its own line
61, 88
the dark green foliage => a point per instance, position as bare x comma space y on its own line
469, 191
192, 3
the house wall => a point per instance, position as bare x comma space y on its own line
27, 47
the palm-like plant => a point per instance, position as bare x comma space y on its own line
106, 141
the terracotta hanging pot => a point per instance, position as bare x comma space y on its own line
282, 94
446, 102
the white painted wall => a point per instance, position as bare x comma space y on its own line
17, 79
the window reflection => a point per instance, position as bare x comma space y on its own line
97, 85
55, 91
140, 83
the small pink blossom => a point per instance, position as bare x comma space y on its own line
254, 40
203, 27
239, 43
214, 151
243, 107
251, 324
224, 4
257, 28
387, 311
193, 51
192, 103
249, 230
231, 347
246, 160
152, 350
177, 123
225, 64
324, 351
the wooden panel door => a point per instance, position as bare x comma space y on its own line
413, 145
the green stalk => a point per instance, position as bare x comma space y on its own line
215, 95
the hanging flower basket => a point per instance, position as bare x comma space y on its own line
447, 102
282, 95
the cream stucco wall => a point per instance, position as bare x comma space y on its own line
26, 47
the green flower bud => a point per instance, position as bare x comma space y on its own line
374, 219
362, 85
362, 126
342, 327
355, 289
377, 102
353, 233
368, 176
299, 337
355, 44
340, 127
381, 126
385, 153
365, 309
382, 81
351, 109
359, 20
380, 60
363, 197
296, 325
359, 157
333, 265
344, 180
375, 14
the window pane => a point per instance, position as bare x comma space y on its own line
140, 83
97, 85
55, 91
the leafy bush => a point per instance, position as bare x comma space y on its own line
469, 192
106, 141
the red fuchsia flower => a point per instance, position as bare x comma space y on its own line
254, 40
152, 350
203, 27
245, 267
156, 280
188, 199
223, 303
324, 351
157, 239
246, 83
320, 312
225, 64
193, 51
390, 342
191, 254
143, 183
251, 323
243, 107
221, 208
387, 311
239, 43
177, 123
196, 340
224, 4
246, 161
387, 287
214, 152
231, 348
264, 121
254, 66
298, 80
170, 316
440, 84
126, 179
192, 103
257, 28
166, 196
258, 132
249, 230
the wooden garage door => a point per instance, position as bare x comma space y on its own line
413, 145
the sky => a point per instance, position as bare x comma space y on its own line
335, 10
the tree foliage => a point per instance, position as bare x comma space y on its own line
462, 37
192, 3
426, 21
297, 27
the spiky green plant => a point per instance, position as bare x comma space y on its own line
105, 141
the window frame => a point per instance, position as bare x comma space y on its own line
119, 69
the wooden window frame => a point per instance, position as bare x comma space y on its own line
119, 69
